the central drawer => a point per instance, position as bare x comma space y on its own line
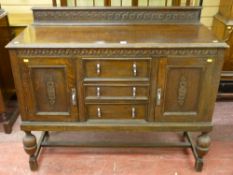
116, 68
115, 92
116, 111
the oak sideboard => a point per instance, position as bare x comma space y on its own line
116, 69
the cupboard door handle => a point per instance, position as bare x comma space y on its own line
98, 91
98, 69
134, 91
73, 96
133, 112
135, 69
159, 96
229, 32
99, 112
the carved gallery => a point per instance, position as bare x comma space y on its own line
116, 87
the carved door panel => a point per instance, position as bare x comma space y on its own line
49, 85
182, 89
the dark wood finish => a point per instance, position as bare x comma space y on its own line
223, 29
147, 77
8, 106
108, 16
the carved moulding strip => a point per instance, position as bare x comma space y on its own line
116, 15
40, 52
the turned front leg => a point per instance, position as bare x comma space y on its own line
202, 148
30, 147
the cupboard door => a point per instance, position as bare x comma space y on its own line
50, 92
182, 89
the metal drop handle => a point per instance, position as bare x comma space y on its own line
98, 69
73, 96
99, 112
98, 91
135, 69
133, 112
159, 91
134, 91
230, 31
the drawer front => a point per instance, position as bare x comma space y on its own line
116, 111
114, 92
116, 68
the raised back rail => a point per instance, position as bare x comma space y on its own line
116, 15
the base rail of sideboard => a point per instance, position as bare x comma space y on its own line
197, 149
137, 125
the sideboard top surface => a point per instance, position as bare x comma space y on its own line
134, 36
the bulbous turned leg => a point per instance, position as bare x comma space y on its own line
202, 148
30, 147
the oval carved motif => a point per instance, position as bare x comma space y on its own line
51, 91
182, 90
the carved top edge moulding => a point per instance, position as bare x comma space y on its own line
110, 15
118, 52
